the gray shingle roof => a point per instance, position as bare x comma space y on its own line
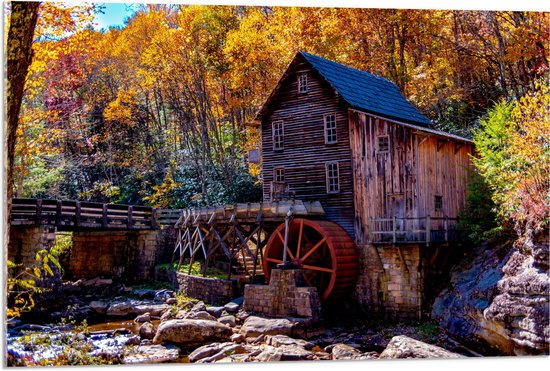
367, 92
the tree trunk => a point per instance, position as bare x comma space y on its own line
19, 56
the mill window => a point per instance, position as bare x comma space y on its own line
302, 83
278, 135
330, 128
333, 178
383, 143
438, 202
279, 175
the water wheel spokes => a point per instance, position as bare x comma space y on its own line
322, 250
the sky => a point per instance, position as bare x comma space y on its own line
114, 15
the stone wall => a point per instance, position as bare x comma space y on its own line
129, 256
283, 297
26, 241
390, 284
215, 291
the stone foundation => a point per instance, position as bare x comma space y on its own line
26, 241
390, 283
128, 256
215, 291
283, 297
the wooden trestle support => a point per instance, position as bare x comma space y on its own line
251, 235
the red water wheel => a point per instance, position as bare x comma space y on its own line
323, 250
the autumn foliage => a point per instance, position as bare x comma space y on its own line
159, 112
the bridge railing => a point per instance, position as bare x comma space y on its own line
79, 214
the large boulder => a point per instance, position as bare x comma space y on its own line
256, 326
191, 331
345, 352
498, 300
406, 347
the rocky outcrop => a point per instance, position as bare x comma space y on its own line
191, 331
256, 326
406, 347
498, 301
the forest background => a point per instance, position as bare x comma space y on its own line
161, 111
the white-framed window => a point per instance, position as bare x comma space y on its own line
279, 174
383, 143
302, 83
330, 128
333, 177
278, 128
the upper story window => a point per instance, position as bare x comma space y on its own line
279, 174
278, 129
302, 83
383, 143
330, 128
333, 177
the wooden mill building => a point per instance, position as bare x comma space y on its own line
349, 139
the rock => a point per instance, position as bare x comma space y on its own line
166, 315
206, 351
122, 331
153, 354
163, 295
90, 282
242, 315
406, 347
215, 352
133, 340
228, 320
269, 354
237, 338
295, 353
181, 314
191, 331
283, 340
498, 301
99, 306
256, 326
344, 352
171, 301
120, 308
215, 311
199, 307
234, 305
103, 281
147, 331
145, 317
152, 309
201, 315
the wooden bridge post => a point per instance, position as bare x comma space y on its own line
446, 228
59, 208
104, 221
77, 214
38, 211
130, 217
428, 230
154, 218
394, 232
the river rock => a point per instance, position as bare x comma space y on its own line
133, 340
191, 331
120, 308
144, 293
163, 295
234, 305
215, 311
228, 320
145, 317
269, 354
256, 326
199, 307
147, 331
345, 352
152, 354
281, 340
100, 306
215, 352
152, 309
200, 315
238, 338
405, 347
171, 301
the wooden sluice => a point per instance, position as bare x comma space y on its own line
237, 232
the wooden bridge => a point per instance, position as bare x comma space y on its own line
78, 215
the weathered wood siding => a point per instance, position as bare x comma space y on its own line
404, 181
305, 152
